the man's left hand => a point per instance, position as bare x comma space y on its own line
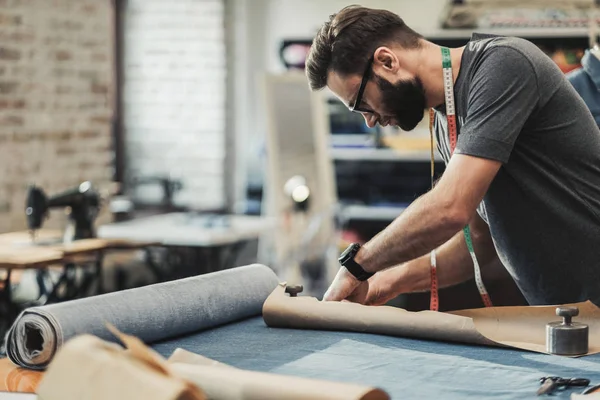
344, 285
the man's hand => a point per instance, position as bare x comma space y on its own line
377, 290
343, 285
382, 287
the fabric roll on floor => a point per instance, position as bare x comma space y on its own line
152, 313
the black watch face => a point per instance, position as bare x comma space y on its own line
346, 254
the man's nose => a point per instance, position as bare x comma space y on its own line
370, 120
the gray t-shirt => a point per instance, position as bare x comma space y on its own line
514, 105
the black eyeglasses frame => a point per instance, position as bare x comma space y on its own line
355, 107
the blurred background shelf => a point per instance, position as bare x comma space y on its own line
374, 154
527, 32
373, 213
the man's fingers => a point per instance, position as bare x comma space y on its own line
329, 297
333, 294
342, 286
353, 299
374, 301
375, 296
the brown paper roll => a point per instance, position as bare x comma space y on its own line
221, 381
88, 368
303, 312
518, 327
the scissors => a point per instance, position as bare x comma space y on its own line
551, 383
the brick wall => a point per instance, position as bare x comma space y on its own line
56, 77
174, 95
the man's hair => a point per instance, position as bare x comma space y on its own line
345, 42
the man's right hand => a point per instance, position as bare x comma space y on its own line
379, 289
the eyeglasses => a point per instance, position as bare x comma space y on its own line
355, 107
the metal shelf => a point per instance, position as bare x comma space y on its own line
374, 154
370, 213
520, 32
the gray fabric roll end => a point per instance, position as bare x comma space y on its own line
152, 313
33, 339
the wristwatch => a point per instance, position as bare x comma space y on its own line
347, 260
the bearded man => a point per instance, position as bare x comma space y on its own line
522, 151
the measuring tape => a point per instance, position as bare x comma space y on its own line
434, 300
453, 135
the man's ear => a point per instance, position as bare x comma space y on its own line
386, 59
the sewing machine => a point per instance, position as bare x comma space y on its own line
82, 204
79, 253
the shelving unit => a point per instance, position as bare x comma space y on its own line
375, 183
542, 33
383, 154
370, 213
549, 38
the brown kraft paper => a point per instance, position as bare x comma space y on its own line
522, 327
221, 381
90, 368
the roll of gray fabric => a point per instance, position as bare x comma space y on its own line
152, 313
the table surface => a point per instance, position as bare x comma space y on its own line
189, 229
405, 368
19, 251
24, 237
15, 379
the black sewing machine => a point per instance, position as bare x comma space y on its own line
82, 204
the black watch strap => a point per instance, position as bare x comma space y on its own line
355, 269
347, 261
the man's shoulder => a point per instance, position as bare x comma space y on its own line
501, 55
506, 46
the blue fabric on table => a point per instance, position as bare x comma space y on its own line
405, 368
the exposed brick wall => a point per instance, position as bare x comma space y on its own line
174, 95
56, 88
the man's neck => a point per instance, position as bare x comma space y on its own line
431, 73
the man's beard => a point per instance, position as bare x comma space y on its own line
404, 101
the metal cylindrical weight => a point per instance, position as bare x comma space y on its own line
567, 338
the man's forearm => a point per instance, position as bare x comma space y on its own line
454, 263
428, 223
434, 218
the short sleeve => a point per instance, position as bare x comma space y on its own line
502, 94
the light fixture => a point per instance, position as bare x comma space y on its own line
297, 189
